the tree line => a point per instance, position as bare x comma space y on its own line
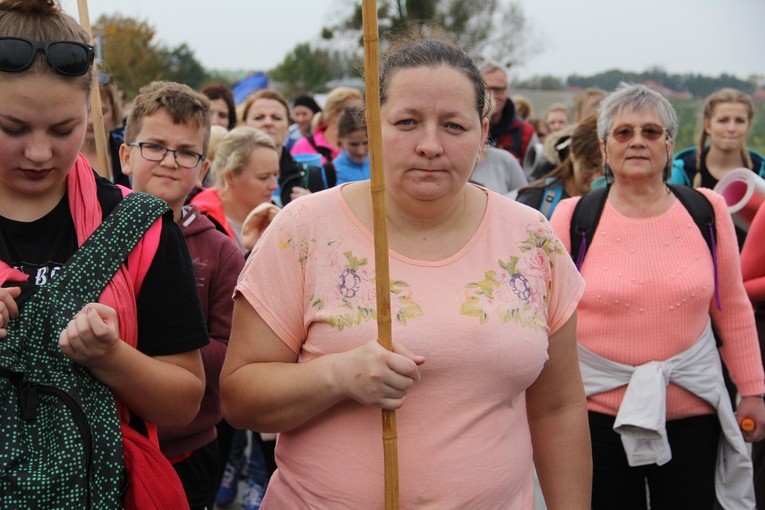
696, 84
497, 30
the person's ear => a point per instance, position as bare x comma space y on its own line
229, 178
204, 167
125, 153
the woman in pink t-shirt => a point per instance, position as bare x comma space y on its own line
483, 374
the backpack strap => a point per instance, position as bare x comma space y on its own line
584, 221
139, 260
703, 214
324, 151
329, 179
95, 263
551, 195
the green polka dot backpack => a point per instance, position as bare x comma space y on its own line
61, 444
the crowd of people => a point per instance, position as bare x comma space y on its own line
574, 312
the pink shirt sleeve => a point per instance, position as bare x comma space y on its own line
753, 259
275, 264
735, 321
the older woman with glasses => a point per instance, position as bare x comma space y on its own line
659, 415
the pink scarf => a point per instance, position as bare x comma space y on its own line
153, 483
87, 214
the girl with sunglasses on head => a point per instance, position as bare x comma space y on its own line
140, 346
659, 412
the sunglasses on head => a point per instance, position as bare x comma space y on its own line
65, 57
650, 132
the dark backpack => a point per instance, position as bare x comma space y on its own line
551, 195
62, 444
312, 178
586, 215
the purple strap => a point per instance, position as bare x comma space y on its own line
583, 250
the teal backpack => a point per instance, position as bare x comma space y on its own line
61, 443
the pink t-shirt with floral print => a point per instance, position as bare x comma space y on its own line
481, 318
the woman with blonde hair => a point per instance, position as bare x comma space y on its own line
721, 148
324, 140
245, 171
726, 122
268, 110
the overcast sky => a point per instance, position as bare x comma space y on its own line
580, 36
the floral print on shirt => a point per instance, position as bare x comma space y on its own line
517, 290
356, 292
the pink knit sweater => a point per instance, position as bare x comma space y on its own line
649, 293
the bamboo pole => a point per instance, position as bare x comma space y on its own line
382, 271
95, 101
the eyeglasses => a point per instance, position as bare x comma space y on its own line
156, 153
65, 57
650, 132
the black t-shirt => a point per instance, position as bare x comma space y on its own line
170, 319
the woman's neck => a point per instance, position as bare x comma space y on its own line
720, 162
30, 208
330, 134
427, 231
414, 218
640, 199
231, 208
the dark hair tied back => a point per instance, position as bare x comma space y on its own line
414, 51
31, 6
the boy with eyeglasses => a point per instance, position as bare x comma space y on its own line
166, 140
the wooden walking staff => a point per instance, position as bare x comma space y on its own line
95, 101
382, 272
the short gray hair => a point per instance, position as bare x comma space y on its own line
638, 98
489, 66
